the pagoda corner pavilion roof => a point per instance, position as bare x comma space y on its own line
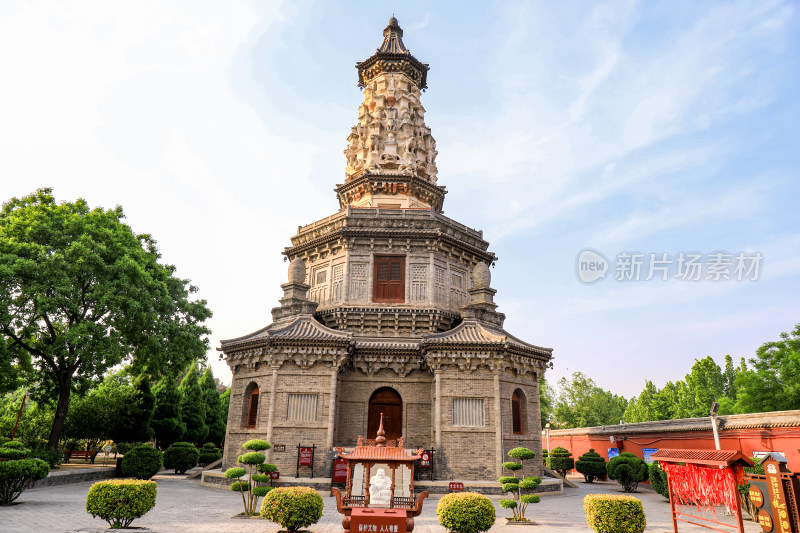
393, 454
702, 457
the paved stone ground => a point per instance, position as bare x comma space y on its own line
183, 505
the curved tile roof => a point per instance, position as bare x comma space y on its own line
304, 328
475, 333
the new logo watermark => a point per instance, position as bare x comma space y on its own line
593, 266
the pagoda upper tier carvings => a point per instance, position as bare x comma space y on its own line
391, 133
389, 230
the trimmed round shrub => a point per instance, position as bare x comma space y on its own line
658, 479
16, 475
467, 512
628, 470
208, 454
521, 454
142, 462
252, 458
180, 457
267, 468
261, 490
292, 507
611, 513
120, 501
591, 465
256, 445
505, 503
560, 459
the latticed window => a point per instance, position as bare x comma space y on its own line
468, 412
390, 275
302, 408
516, 414
252, 411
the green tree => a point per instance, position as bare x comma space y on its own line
35, 418
193, 407
215, 417
705, 383
100, 414
581, 403
167, 421
773, 383
729, 379
80, 293
225, 401
640, 409
138, 414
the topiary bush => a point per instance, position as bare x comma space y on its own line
514, 485
560, 460
292, 507
610, 513
465, 512
181, 456
591, 465
120, 501
628, 470
658, 479
250, 490
142, 462
208, 454
16, 472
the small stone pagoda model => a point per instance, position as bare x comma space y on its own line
388, 309
393, 494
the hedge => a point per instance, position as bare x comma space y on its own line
628, 470
16, 472
120, 501
658, 479
466, 512
180, 457
292, 507
591, 465
560, 459
142, 462
610, 513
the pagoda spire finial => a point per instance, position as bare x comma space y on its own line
393, 39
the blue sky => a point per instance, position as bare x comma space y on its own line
650, 127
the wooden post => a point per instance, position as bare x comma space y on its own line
367, 468
739, 510
391, 501
671, 506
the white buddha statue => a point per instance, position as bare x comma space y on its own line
380, 488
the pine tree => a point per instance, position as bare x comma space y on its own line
225, 400
193, 408
214, 414
167, 422
139, 412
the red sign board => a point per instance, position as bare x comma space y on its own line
306, 454
275, 475
364, 520
456, 486
340, 470
425, 460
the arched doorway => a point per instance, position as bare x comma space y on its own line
387, 401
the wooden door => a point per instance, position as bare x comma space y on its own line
387, 401
389, 279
